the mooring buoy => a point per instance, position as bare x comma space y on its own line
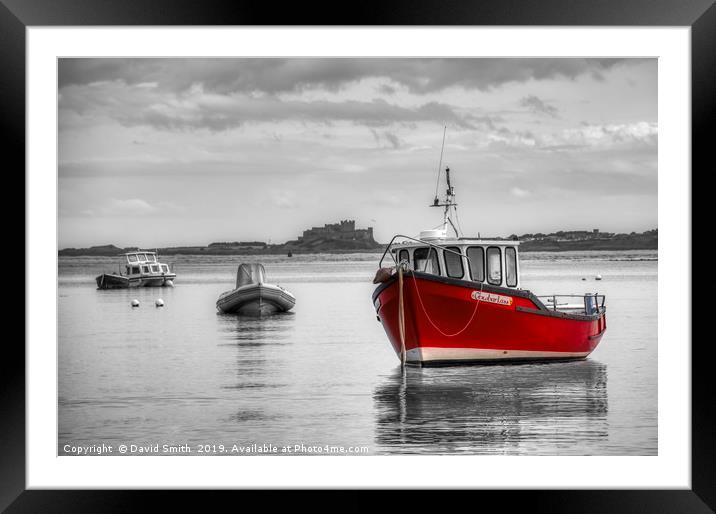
159, 302
598, 277
135, 303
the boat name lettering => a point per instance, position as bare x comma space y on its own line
491, 298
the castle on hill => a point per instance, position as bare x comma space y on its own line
346, 229
330, 237
339, 235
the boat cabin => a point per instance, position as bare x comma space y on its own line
144, 263
493, 262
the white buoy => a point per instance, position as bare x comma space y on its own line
598, 277
159, 302
583, 278
135, 303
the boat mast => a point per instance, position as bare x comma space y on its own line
449, 202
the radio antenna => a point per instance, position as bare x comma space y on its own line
449, 202
440, 164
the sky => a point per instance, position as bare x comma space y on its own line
169, 152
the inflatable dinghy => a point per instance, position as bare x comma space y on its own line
253, 296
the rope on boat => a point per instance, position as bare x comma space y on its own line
477, 303
401, 314
401, 317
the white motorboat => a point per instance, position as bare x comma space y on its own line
142, 269
253, 296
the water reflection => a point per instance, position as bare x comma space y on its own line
256, 343
534, 408
256, 331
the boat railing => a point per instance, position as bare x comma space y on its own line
421, 241
592, 303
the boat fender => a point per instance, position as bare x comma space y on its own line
382, 275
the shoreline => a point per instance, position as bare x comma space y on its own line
525, 247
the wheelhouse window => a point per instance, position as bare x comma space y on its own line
132, 258
426, 259
494, 266
135, 270
165, 268
151, 258
404, 255
145, 269
155, 268
511, 267
453, 262
476, 256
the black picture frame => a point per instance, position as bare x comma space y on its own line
700, 15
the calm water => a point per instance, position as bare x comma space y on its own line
325, 374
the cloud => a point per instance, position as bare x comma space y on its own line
223, 94
538, 106
393, 139
389, 137
487, 121
129, 207
324, 139
283, 199
641, 134
561, 148
272, 76
197, 109
386, 89
519, 193
507, 137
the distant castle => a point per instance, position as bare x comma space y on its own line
345, 230
335, 236
329, 237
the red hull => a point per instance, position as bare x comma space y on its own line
451, 320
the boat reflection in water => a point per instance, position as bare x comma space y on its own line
249, 375
258, 344
252, 330
501, 409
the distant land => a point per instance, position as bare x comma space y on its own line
563, 241
343, 237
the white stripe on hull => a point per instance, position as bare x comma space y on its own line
433, 354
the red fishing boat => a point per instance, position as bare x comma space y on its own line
458, 299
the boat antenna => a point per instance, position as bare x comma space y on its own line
440, 165
449, 202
